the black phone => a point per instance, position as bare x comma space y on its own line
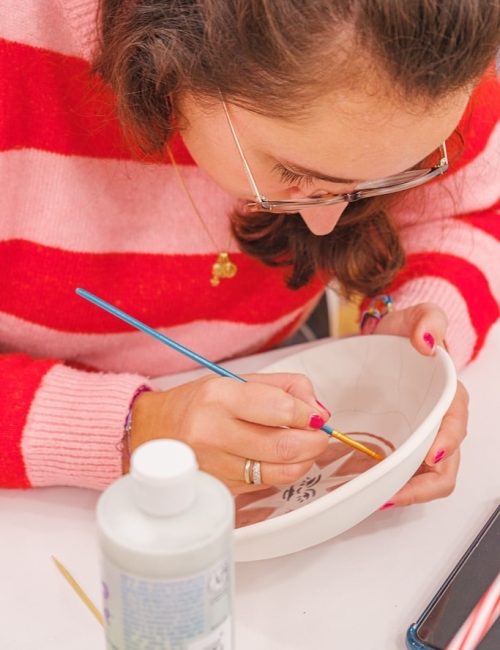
457, 596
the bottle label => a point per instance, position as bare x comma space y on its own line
188, 613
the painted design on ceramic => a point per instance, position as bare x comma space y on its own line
303, 491
338, 465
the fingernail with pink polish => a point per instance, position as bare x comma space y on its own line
316, 421
386, 506
324, 408
439, 456
369, 325
430, 340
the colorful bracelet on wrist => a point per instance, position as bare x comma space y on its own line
376, 309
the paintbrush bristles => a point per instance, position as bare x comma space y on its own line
356, 445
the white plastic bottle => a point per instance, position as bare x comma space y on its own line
165, 533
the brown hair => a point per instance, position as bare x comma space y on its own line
270, 56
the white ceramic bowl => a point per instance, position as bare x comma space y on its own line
376, 384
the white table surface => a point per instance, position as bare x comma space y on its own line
359, 591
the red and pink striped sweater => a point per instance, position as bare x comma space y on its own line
79, 210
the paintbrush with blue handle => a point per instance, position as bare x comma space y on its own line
202, 361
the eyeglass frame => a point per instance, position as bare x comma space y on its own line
284, 205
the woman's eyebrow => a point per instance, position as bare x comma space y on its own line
331, 179
315, 174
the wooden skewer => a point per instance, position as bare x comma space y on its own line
78, 590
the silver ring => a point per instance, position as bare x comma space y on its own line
248, 465
256, 473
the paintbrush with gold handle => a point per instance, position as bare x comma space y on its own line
198, 358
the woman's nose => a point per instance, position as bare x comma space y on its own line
323, 219
320, 220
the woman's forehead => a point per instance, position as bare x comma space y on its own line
365, 137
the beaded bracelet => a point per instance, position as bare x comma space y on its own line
377, 308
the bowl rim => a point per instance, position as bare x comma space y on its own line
355, 485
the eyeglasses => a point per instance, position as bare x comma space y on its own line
404, 181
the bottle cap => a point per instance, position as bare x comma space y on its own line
163, 477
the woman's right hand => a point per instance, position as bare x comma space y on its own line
272, 418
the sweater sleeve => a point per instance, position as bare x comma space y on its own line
61, 425
451, 233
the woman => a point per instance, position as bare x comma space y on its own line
347, 139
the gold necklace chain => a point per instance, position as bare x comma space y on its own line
223, 268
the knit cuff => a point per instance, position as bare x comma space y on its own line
460, 336
75, 427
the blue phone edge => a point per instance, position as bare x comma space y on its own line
412, 642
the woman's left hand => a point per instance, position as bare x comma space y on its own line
425, 325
